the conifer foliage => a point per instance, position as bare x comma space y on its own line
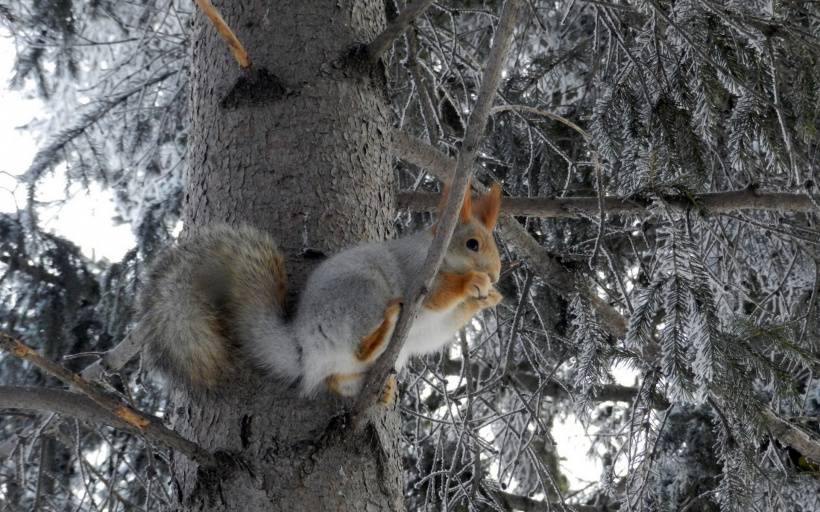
683, 336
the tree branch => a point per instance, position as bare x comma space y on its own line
524, 376
113, 359
543, 113
786, 432
239, 52
458, 188
577, 207
516, 502
799, 439
382, 42
554, 274
149, 426
64, 403
18, 263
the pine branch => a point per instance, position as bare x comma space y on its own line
238, 50
382, 42
554, 274
47, 155
585, 207
18, 263
149, 426
446, 225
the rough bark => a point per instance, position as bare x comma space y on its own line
298, 146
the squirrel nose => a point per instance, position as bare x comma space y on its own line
493, 276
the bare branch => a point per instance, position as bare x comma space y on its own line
552, 272
64, 403
577, 207
382, 42
543, 113
150, 426
458, 188
239, 52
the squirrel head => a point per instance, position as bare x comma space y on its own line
472, 246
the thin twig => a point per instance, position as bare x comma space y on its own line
149, 426
458, 188
239, 52
114, 359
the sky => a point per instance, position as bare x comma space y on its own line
86, 218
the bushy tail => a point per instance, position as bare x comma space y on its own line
213, 297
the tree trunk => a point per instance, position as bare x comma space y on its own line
301, 151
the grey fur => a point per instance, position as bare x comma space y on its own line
222, 290
205, 297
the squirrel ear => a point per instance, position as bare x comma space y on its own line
487, 208
466, 212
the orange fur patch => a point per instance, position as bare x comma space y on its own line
449, 290
336, 381
487, 208
371, 344
466, 212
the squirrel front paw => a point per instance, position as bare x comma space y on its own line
492, 299
479, 285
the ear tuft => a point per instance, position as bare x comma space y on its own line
467, 208
487, 208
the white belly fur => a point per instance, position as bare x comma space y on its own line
430, 332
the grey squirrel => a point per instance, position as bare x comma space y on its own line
222, 292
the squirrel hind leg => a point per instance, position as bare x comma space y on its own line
345, 384
376, 342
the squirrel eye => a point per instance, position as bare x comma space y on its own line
472, 244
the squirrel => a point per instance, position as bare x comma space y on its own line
222, 293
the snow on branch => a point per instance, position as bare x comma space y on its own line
803, 441
49, 155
